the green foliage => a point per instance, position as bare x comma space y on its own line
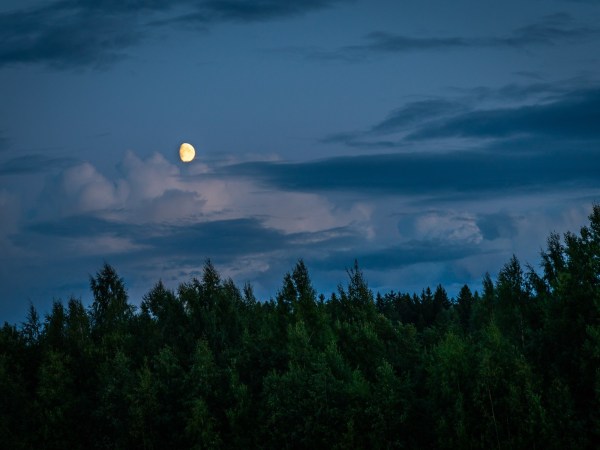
208, 366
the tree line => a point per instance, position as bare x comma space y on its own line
208, 366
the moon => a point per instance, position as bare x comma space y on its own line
187, 152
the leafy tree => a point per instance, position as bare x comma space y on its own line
56, 397
204, 420
110, 312
449, 381
464, 307
506, 395
163, 321
54, 327
512, 300
32, 327
116, 381
157, 403
355, 303
18, 415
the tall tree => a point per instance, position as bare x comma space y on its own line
464, 307
110, 312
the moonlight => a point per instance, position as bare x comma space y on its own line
187, 152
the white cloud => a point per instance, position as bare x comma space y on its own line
153, 190
102, 245
76, 190
448, 225
147, 179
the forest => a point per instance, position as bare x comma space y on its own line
209, 366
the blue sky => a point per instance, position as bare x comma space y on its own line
430, 140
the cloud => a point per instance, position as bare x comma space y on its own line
416, 113
383, 42
551, 30
82, 226
223, 237
252, 10
573, 115
157, 220
33, 163
536, 115
141, 176
82, 33
447, 226
427, 173
497, 225
152, 190
408, 253
65, 35
151, 208
537, 91
77, 190
153, 219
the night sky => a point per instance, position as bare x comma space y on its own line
430, 140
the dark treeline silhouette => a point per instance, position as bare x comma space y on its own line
209, 366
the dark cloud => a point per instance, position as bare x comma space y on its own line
390, 43
258, 10
494, 226
553, 28
84, 226
520, 92
380, 42
87, 33
401, 119
217, 238
402, 255
550, 30
65, 35
471, 172
358, 140
415, 113
575, 115
33, 164
566, 110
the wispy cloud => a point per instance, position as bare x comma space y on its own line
466, 172
497, 225
574, 115
524, 113
413, 252
33, 163
415, 113
65, 35
82, 33
212, 11
551, 30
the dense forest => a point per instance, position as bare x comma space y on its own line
209, 366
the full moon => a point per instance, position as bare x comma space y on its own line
186, 152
